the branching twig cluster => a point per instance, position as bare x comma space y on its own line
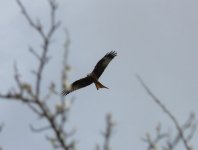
1, 128
184, 133
56, 118
30, 94
107, 134
167, 140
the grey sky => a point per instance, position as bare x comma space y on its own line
154, 38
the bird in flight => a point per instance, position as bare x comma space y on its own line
93, 76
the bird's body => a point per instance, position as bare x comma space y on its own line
93, 76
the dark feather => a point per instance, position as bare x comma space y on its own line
65, 92
98, 70
82, 83
103, 63
78, 84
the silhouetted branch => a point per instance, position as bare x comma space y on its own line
31, 96
16, 96
107, 134
166, 139
38, 101
34, 109
1, 128
34, 53
43, 59
63, 106
46, 38
66, 67
39, 129
153, 142
179, 128
37, 26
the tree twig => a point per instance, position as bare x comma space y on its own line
108, 131
166, 111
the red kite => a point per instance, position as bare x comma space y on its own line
93, 76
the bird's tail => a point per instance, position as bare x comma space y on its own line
99, 85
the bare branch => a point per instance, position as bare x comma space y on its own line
153, 142
33, 129
34, 109
32, 97
165, 139
97, 147
108, 132
17, 77
65, 64
54, 24
1, 126
37, 27
34, 53
64, 109
166, 111
16, 96
54, 142
46, 42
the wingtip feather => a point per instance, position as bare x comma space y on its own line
65, 92
111, 54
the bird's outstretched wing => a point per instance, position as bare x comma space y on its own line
103, 63
98, 70
77, 85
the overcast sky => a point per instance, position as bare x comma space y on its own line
156, 39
